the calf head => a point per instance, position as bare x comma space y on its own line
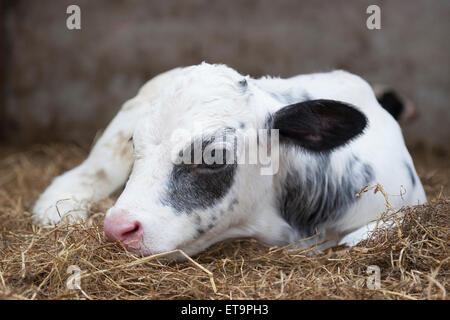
195, 180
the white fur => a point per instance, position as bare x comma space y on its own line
204, 98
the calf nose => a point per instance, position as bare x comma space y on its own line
121, 228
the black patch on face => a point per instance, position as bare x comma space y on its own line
190, 188
311, 198
411, 174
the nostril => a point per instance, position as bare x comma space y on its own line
134, 229
119, 228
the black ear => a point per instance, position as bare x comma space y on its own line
318, 125
390, 101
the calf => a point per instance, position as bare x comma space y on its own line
327, 137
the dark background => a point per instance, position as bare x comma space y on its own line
58, 84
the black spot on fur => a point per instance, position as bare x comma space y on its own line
411, 174
234, 202
316, 196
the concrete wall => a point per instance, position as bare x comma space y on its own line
65, 85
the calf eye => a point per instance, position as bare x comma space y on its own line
213, 166
210, 162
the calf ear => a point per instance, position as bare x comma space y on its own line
318, 125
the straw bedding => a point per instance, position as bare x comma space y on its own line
413, 257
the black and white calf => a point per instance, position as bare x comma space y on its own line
334, 138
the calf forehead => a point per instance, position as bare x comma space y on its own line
201, 92
180, 124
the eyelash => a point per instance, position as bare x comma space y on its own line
206, 168
132, 141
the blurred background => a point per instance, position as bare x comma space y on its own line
65, 85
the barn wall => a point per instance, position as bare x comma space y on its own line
65, 85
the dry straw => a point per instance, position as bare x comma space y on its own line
413, 256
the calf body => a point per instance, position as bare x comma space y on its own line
334, 138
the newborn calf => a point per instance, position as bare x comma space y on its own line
208, 154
